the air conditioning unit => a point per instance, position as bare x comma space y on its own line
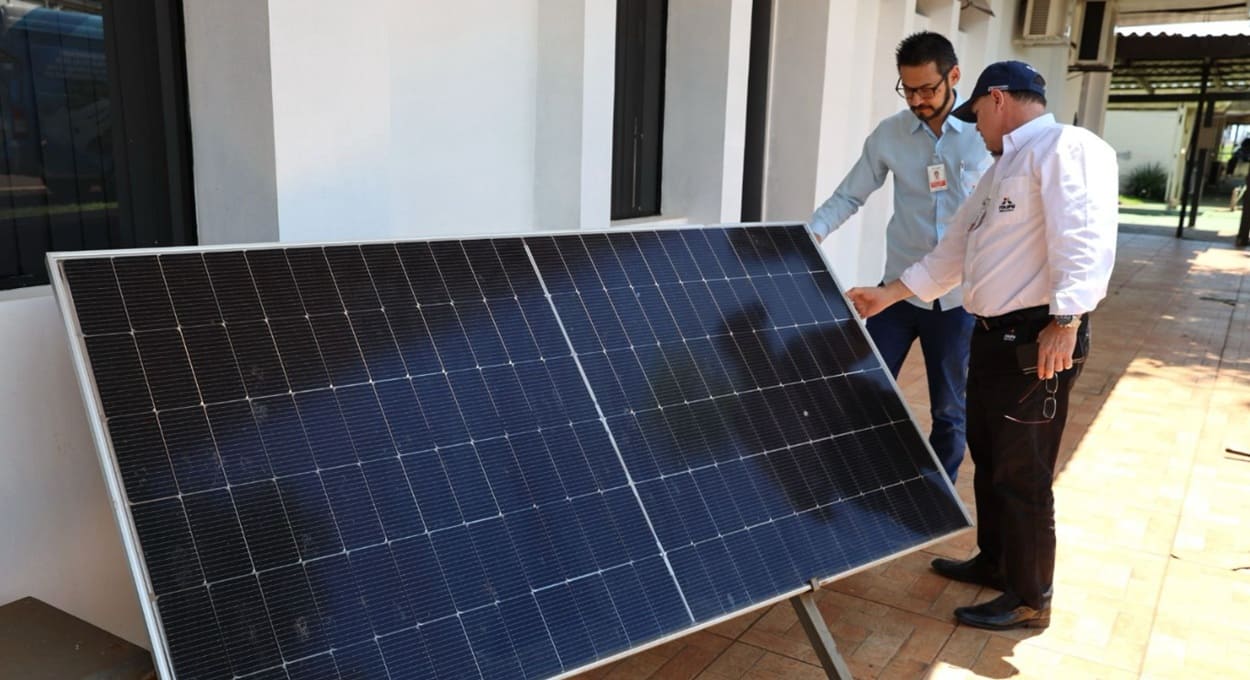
1095, 47
1044, 22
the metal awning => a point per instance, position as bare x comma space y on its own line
1169, 67
1198, 28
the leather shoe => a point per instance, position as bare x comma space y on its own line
975, 570
1004, 612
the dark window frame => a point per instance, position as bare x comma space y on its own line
149, 193
756, 145
638, 108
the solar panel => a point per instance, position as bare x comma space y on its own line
498, 457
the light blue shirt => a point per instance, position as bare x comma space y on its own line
904, 145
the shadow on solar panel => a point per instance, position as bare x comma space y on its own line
496, 457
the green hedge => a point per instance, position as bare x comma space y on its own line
1147, 182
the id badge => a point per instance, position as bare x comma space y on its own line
937, 177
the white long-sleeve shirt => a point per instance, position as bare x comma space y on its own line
1040, 228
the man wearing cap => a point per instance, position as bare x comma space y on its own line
936, 161
1033, 248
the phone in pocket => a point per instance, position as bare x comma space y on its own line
1026, 358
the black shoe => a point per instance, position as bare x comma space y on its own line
975, 570
1004, 613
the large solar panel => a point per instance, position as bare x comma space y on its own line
499, 457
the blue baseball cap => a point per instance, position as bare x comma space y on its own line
1009, 76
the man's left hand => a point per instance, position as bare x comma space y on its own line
1055, 346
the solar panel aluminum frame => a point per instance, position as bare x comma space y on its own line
107, 457
128, 530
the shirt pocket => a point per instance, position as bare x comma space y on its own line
1012, 203
970, 173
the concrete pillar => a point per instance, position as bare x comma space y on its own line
230, 97
896, 20
973, 44
1091, 111
705, 109
332, 108
819, 75
940, 16
575, 83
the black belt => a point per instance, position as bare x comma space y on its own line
989, 323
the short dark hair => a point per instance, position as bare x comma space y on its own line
924, 47
1028, 96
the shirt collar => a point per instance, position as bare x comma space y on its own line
1023, 134
951, 124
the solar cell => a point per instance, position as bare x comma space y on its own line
507, 457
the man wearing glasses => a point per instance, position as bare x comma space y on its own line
936, 161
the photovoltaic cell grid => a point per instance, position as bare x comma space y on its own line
501, 457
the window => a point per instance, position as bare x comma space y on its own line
638, 118
93, 130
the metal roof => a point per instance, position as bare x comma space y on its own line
1171, 65
1202, 28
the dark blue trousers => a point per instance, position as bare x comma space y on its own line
944, 335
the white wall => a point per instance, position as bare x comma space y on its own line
575, 88
59, 541
462, 151
230, 98
803, 61
1062, 92
974, 46
705, 109
831, 82
430, 118
316, 120
404, 119
938, 15
813, 132
331, 74
1144, 137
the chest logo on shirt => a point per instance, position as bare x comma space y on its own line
1006, 206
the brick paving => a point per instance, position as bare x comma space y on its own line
1152, 513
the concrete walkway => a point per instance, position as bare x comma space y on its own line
1153, 515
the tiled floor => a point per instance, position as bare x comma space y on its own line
1153, 515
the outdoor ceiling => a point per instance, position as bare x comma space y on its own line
1170, 64
1180, 76
1137, 12
1171, 5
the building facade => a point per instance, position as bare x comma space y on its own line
398, 119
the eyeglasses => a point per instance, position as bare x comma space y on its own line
924, 91
1050, 403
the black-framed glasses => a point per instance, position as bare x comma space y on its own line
925, 91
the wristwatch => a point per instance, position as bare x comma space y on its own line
1067, 320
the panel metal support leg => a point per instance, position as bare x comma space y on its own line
818, 634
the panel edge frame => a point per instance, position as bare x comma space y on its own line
107, 457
